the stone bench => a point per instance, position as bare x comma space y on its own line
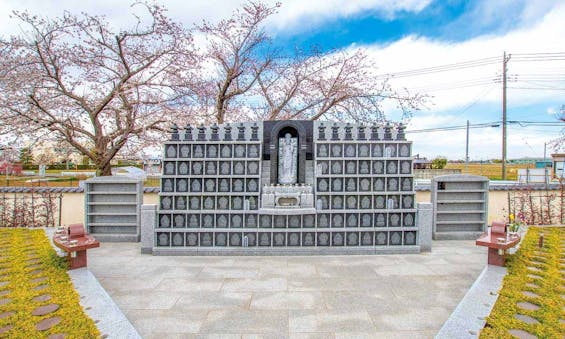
75, 242
498, 242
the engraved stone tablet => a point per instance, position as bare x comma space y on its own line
196, 168
165, 221
226, 151
210, 168
167, 185
178, 240
208, 221
405, 167
323, 239
194, 203
351, 202
322, 185
377, 167
195, 185
365, 202
350, 150
404, 151
237, 203
323, 220
363, 150
364, 167
392, 184
180, 203
406, 184
381, 238
179, 220
337, 239
193, 221
395, 238
169, 168
279, 239
407, 202
366, 220
365, 184
166, 203
198, 151
336, 185
380, 220
206, 239
210, 185
183, 168
224, 185
220, 239
185, 151
308, 239
212, 151
294, 239
252, 167
225, 168
264, 239
408, 220
171, 151
391, 167
367, 239
191, 239
351, 168
409, 238
337, 202
322, 151
336, 150
352, 220
238, 168
337, 220
163, 239
222, 221
238, 185
394, 220
236, 221
336, 167
351, 185
253, 151
209, 203
352, 239
380, 202
240, 151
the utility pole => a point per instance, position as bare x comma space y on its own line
504, 69
467, 150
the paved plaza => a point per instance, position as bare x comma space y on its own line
385, 296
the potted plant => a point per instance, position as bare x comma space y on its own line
515, 223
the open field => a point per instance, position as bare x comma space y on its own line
492, 171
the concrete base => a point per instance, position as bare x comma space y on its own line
457, 235
268, 251
116, 237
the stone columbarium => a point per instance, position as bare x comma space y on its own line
287, 187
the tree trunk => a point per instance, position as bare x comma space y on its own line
104, 170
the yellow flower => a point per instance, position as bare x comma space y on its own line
511, 217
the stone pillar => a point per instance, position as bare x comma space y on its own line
148, 222
425, 215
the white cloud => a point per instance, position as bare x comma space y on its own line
294, 15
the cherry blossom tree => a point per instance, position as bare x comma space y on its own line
246, 69
236, 54
76, 80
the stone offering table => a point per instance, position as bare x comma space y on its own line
497, 242
75, 242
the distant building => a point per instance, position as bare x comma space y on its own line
421, 163
558, 160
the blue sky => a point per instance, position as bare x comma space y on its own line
404, 35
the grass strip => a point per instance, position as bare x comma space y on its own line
26, 254
535, 270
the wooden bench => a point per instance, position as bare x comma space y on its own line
497, 242
75, 242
